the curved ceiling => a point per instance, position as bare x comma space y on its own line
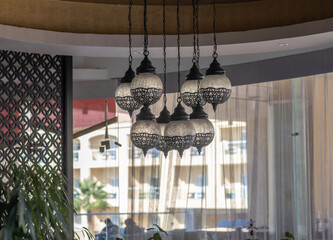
92, 17
159, 2
312, 35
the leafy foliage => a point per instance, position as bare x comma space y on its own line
90, 196
35, 206
288, 235
157, 235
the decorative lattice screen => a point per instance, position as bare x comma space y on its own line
31, 111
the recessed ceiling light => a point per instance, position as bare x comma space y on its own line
138, 52
283, 44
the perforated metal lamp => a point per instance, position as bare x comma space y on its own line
216, 86
146, 87
162, 121
145, 132
189, 90
123, 94
179, 132
204, 129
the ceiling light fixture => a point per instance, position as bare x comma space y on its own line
215, 87
145, 132
179, 132
146, 87
164, 117
204, 129
123, 94
189, 91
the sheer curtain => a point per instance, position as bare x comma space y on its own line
270, 161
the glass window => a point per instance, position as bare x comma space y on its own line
115, 182
269, 161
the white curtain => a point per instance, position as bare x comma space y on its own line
270, 161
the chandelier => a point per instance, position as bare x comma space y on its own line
179, 131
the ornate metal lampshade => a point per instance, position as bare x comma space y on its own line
215, 87
123, 94
146, 87
204, 129
189, 90
145, 132
180, 132
162, 121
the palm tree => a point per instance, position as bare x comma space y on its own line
91, 197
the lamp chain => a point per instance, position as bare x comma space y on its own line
197, 45
194, 59
164, 56
197, 30
130, 58
145, 43
178, 45
215, 55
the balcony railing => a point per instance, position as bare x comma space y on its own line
110, 154
153, 193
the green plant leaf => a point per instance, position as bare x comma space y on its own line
289, 235
36, 205
160, 229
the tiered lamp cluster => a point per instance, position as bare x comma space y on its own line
179, 131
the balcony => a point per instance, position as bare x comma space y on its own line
141, 193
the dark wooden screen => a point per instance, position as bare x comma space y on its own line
32, 111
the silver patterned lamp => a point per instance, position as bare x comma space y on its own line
163, 121
179, 132
189, 90
146, 87
204, 129
123, 94
216, 87
145, 132
164, 117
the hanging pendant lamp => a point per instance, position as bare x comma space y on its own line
204, 129
216, 87
164, 117
123, 94
146, 87
163, 121
189, 91
145, 132
179, 132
